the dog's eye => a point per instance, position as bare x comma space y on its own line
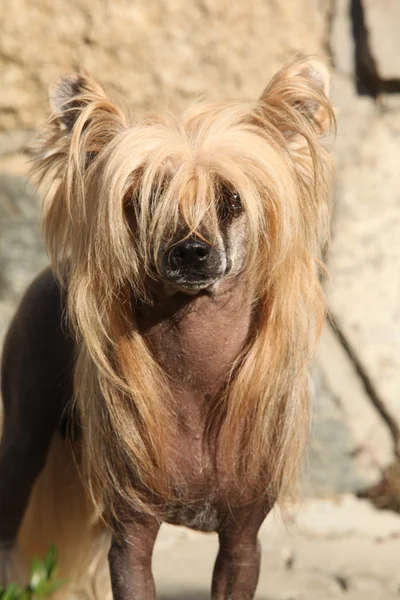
235, 204
231, 204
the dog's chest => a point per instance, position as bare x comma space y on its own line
198, 345
197, 348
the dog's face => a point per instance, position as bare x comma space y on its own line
195, 261
187, 258
188, 202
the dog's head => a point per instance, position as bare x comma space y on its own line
187, 202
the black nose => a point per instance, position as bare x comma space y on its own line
189, 253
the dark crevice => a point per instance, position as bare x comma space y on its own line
385, 494
367, 78
390, 86
343, 582
368, 384
368, 81
289, 562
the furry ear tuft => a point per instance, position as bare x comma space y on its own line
317, 75
303, 85
71, 93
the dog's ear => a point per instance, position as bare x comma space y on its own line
300, 92
71, 94
82, 110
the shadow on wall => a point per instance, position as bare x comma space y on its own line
368, 80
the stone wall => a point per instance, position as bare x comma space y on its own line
167, 53
150, 53
364, 291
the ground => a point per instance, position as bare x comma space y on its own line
341, 548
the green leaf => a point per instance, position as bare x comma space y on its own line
50, 561
43, 582
12, 592
41, 589
38, 574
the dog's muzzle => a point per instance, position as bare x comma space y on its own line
192, 263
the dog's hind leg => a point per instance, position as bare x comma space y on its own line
237, 567
42, 498
34, 386
22, 457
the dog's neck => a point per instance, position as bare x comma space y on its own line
197, 339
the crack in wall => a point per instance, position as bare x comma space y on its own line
367, 382
368, 80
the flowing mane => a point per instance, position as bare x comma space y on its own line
120, 191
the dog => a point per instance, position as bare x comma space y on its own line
158, 371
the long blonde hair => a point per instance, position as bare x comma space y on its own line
118, 191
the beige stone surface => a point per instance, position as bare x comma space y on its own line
150, 53
341, 40
382, 18
14, 159
349, 439
21, 250
364, 292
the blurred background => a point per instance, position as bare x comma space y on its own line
153, 54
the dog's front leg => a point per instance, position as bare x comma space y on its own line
130, 560
237, 567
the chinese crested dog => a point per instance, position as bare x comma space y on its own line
159, 371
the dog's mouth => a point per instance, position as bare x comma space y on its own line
191, 283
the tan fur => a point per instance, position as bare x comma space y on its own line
110, 219
61, 512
